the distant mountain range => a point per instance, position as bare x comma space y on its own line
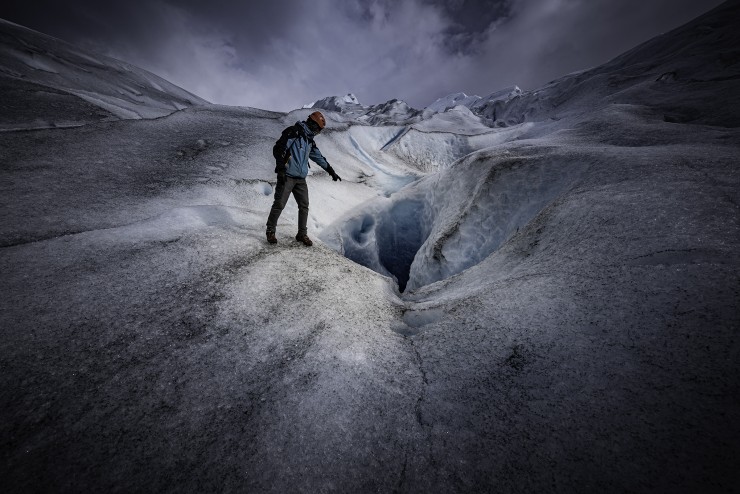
395, 112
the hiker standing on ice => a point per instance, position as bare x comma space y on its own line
291, 152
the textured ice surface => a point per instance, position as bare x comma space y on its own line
453, 220
437, 143
580, 333
478, 204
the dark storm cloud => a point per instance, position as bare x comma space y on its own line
282, 54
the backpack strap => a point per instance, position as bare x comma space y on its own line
279, 150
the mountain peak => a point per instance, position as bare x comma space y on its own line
341, 104
393, 111
450, 101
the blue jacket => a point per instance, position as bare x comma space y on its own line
302, 148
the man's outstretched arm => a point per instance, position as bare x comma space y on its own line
319, 159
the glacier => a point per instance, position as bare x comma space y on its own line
534, 290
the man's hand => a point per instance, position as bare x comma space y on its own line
333, 174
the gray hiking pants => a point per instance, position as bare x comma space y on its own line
299, 188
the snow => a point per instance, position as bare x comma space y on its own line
569, 268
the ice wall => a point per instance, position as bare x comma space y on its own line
436, 145
474, 208
384, 235
448, 222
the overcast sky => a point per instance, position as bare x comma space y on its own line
282, 54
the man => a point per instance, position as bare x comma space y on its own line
292, 152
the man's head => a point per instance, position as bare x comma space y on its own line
316, 122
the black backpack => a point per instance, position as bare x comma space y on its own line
279, 151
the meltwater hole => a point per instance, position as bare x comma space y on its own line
399, 236
387, 241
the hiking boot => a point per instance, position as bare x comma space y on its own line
271, 237
304, 239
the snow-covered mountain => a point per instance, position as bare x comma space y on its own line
551, 302
393, 112
485, 106
476, 104
451, 101
698, 58
341, 104
45, 78
397, 112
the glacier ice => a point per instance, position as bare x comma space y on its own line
448, 222
569, 319
122, 91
